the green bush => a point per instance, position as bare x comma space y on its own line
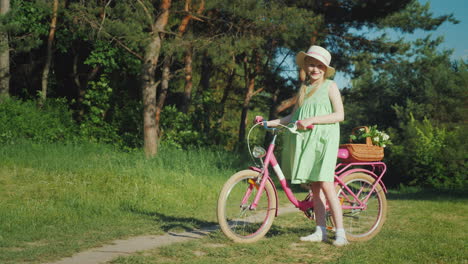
178, 130
430, 156
20, 120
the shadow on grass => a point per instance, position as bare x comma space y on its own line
174, 223
277, 230
428, 194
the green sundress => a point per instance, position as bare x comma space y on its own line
313, 157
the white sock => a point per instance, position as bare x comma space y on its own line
340, 238
340, 232
322, 230
320, 234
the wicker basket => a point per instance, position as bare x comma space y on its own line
363, 152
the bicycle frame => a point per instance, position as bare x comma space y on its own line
341, 170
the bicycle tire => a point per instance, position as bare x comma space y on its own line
362, 225
237, 221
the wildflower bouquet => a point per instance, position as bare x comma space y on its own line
379, 138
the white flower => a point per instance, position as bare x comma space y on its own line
386, 137
376, 139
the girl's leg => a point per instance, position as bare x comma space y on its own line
319, 203
320, 233
335, 206
337, 213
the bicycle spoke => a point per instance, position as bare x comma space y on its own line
362, 220
236, 219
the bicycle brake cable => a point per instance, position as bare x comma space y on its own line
248, 143
292, 129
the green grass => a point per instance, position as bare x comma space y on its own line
56, 200
422, 227
59, 199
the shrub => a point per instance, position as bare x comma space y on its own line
178, 130
20, 120
430, 156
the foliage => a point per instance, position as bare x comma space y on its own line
127, 118
379, 138
98, 101
94, 127
28, 23
21, 120
427, 86
178, 130
431, 156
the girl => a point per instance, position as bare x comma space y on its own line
311, 159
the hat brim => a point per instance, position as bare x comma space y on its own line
300, 62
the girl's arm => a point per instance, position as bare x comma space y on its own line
336, 116
284, 121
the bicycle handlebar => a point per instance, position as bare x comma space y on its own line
259, 119
311, 126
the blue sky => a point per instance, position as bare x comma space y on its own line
456, 35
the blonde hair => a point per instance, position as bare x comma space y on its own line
302, 93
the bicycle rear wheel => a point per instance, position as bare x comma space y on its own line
235, 218
362, 224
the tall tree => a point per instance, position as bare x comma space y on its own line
148, 79
188, 56
49, 54
251, 70
4, 54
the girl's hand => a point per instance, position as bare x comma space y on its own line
258, 119
304, 124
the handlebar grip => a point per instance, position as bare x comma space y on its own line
258, 119
311, 126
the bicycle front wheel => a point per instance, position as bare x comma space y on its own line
237, 221
362, 224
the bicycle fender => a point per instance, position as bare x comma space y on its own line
346, 173
272, 184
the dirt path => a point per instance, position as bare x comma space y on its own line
140, 243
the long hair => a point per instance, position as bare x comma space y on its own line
302, 93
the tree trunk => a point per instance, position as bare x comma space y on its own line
50, 40
205, 77
188, 54
4, 54
250, 83
188, 80
205, 85
81, 85
148, 81
226, 92
250, 86
163, 94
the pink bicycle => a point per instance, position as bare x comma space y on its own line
248, 202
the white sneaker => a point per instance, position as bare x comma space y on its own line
340, 241
315, 237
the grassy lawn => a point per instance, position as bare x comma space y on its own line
56, 200
422, 227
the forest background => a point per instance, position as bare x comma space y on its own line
140, 74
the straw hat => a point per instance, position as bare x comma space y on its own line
317, 53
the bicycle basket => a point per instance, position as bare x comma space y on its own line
363, 152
